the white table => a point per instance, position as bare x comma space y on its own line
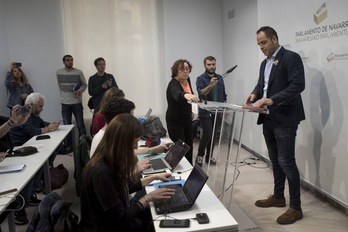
33, 163
207, 202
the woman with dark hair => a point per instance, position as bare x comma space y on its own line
99, 120
17, 86
179, 112
109, 178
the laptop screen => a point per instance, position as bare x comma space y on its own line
176, 153
194, 183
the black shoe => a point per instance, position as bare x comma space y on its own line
34, 201
21, 217
39, 189
212, 161
68, 150
199, 161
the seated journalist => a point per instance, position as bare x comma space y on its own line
109, 179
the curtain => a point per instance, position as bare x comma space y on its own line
128, 35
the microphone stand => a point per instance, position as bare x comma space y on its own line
223, 76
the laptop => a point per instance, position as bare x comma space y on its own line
148, 113
170, 161
185, 196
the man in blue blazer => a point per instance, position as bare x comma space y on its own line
281, 81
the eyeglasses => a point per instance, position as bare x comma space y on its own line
186, 69
102, 64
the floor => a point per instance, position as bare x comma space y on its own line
253, 180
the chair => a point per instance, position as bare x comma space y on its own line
81, 159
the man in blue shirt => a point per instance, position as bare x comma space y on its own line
210, 87
35, 125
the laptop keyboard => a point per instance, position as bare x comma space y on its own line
178, 199
158, 164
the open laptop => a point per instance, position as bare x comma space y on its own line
170, 161
148, 113
185, 196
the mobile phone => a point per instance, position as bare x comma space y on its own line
174, 223
23, 109
41, 137
18, 64
172, 178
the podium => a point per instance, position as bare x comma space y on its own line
227, 110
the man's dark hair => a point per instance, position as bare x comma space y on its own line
269, 32
116, 106
66, 56
96, 61
210, 58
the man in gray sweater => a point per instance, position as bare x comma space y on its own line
72, 84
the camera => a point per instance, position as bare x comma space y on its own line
18, 64
23, 109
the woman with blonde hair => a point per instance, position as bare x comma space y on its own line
17, 86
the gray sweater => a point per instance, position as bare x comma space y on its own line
67, 80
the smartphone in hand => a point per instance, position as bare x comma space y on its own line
23, 109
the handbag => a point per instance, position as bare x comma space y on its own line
24, 151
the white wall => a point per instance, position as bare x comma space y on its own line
240, 48
4, 57
34, 36
193, 31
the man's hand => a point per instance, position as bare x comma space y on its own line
3, 156
53, 126
77, 93
250, 99
18, 118
263, 102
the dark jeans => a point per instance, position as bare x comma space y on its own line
77, 111
207, 125
183, 132
281, 148
29, 189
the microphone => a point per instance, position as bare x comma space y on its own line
223, 76
229, 71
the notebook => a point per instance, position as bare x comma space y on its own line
6, 188
185, 196
12, 168
171, 160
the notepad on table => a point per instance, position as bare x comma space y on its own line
6, 188
12, 168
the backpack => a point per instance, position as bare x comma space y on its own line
153, 127
59, 176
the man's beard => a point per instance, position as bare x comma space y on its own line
210, 71
35, 112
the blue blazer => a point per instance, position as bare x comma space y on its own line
286, 82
